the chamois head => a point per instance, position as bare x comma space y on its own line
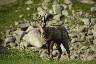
42, 22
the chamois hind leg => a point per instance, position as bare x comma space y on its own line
60, 50
48, 47
51, 49
66, 46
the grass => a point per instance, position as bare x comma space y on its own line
13, 56
81, 6
8, 14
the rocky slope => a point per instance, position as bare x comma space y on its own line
81, 26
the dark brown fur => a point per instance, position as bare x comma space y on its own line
57, 35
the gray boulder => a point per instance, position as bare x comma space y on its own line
65, 13
33, 37
57, 17
18, 34
44, 54
94, 31
67, 1
93, 9
93, 21
23, 25
85, 21
9, 39
57, 8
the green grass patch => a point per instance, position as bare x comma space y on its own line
14, 56
81, 6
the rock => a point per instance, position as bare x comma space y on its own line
65, 6
51, 11
30, 28
45, 4
70, 6
67, 1
82, 39
65, 13
86, 21
90, 32
9, 39
87, 15
33, 37
89, 39
83, 57
16, 23
91, 57
94, 31
87, 1
94, 27
18, 34
23, 44
46, 1
27, 8
94, 41
73, 12
1, 40
57, 8
74, 55
74, 35
23, 25
74, 40
93, 49
29, 2
20, 16
93, 21
93, 9
8, 32
80, 13
44, 54
34, 49
83, 29
57, 17
83, 48
11, 45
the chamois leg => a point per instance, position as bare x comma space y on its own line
48, 47
60, 50
51, 49
66, 46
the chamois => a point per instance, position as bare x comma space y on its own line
57, 35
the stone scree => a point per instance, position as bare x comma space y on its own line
81, 28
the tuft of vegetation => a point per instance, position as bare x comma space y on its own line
81, 6
14, 56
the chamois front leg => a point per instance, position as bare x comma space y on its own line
60, 50
66, 46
